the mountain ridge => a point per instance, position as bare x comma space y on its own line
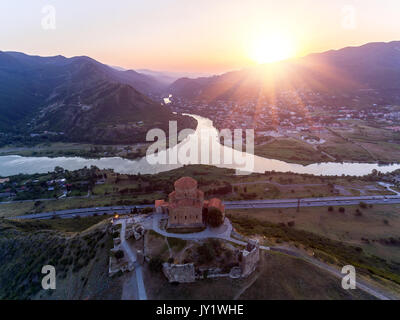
370, 66
79, 98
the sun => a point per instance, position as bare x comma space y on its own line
271, 48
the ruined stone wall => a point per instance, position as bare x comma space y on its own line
182, 273
249, 258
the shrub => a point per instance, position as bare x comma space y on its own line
214, 217
147, 210
206, 252
155, 264
358, 213
115, 234
342, 210
330, 208
363, 205
119, 254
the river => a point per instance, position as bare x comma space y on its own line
13, 164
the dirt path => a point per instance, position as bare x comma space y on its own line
130, 289
135, 285
242, 290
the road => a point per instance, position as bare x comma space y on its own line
312, 202
141, 291
243, 204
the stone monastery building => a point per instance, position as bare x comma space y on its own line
185, 205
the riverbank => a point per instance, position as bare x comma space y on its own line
82, 150
12, 165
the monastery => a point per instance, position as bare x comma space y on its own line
186, 205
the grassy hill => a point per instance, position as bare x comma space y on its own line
77, 248
277, 277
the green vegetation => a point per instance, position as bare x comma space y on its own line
290, 150
176, 243
155, 265
65, 149
185, 230
64, 225
79, 256
213, 217
339, 252
368, 231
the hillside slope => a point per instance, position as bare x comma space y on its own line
353, 70
79, 99
78, 249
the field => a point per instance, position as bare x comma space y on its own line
369, 231
290, 150
357, 141
363, 142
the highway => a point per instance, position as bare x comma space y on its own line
244, 204
312, 202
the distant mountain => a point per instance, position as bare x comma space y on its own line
168, 77
80, 97
352, 70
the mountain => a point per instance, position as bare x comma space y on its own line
79, 97
351, 70
168, 77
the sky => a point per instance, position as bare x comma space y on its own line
211, 36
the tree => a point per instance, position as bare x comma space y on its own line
214, 217
330, 208
119, 254
58, 169
147, 210
155, 264
363, 205
342, 210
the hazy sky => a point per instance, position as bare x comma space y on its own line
188, 35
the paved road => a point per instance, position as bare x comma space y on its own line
132, 257
312, 202
244, 204
89, 195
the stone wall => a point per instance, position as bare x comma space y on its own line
134, 231
185, 217
250, 257
122, 265
182, 273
